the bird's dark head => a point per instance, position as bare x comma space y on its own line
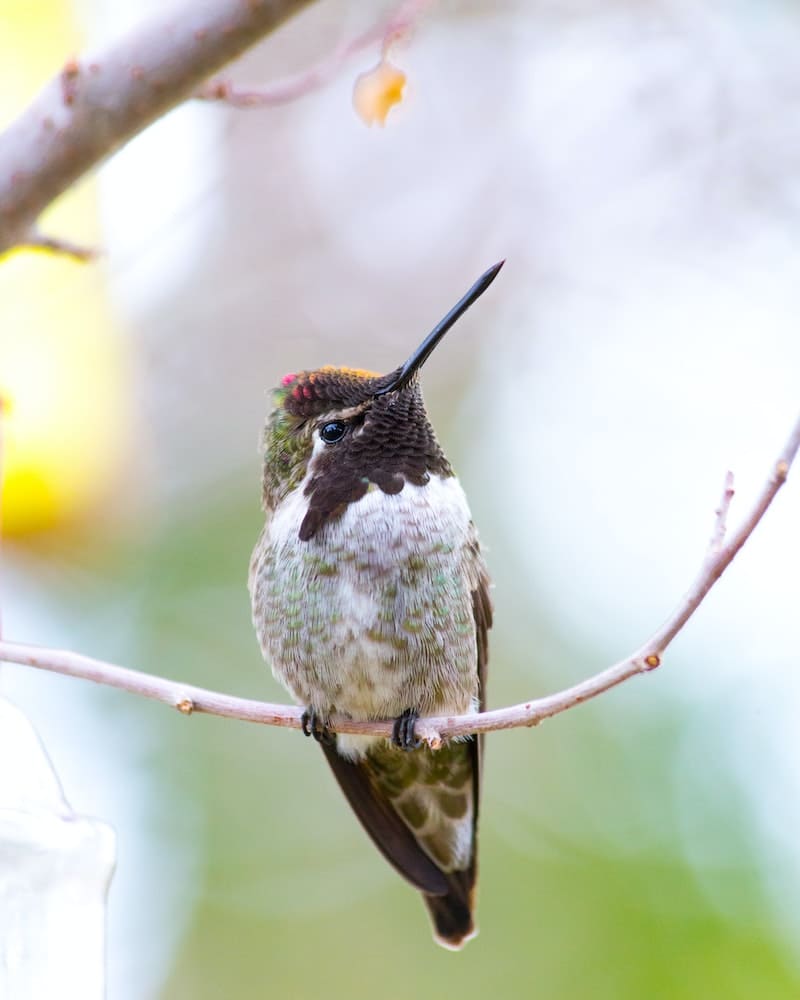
343, 431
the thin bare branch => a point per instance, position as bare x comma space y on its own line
188, 699
397, 25
100, 101
37, 241
720, 524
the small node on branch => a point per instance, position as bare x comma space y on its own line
781, 471
430, 737
69, 81
652, 661
215, 90
185, 706
721, 516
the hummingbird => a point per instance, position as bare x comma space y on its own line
370, 599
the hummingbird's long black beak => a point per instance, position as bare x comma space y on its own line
425, 349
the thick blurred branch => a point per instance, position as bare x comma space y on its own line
100, 101
188, 699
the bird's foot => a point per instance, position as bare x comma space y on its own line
403, 736
316, 725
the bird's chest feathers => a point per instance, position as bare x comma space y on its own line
379, 544
378, 596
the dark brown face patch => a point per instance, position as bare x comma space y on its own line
388, 440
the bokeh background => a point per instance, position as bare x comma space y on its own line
638, 164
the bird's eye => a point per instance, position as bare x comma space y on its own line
332, 432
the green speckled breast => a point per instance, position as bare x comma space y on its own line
374, 613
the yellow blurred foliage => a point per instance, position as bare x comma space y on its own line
61, 366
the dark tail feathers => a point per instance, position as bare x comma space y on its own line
452, 912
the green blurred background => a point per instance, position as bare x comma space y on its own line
638, 166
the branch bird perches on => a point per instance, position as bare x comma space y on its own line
433, 731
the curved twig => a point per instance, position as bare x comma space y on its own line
388, 30
188, 699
